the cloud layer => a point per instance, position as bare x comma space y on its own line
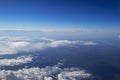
14, 45
17, 61
47, 73
28, 47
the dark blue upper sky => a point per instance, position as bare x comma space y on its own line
59, 13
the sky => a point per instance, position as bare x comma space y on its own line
39, 14
61, 29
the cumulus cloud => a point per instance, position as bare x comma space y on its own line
47, 73
17, 61
73, 75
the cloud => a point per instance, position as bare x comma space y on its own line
73, 75
17, 61
47, 73
58, 43
11, 38
47, 39
87, 43
6, 40
19, 46
28, 47
7, 51
11, 45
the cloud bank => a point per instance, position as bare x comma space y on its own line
17, 61
28, 47
14, 45
47, 73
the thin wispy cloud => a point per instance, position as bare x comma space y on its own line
68, 31
89, 43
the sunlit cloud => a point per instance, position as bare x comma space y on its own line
47, 73
89, 43
17, 61
28, 46
15, 45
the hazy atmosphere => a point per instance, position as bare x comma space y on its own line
59, 39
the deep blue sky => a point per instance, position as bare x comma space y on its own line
59, 13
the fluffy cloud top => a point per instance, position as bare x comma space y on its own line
47, 73
12, 62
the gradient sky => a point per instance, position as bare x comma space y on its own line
59, 13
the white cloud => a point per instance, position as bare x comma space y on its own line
17, 61
6, 40
19, 46
11, 46
27, 46
87, 43
73, 75
7, 51
58, 43
47, 73
11, 38
66, 30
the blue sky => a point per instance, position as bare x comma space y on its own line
59, 14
